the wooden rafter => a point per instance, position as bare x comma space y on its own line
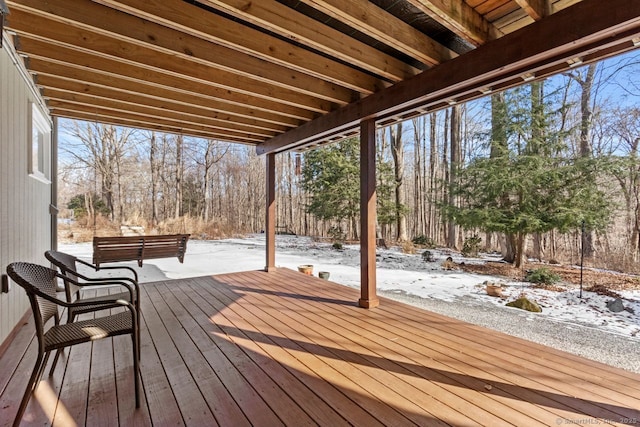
370, 19
255, 70
54, 87
294, 25
147, 120
536, 9
58, 98
127, 50
217, 38
91, 81
460, 18
84, 67
501, 62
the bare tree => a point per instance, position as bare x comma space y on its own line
179, 174
454, 164
397, 150
154, 178
626, 127
585, 80
100, 148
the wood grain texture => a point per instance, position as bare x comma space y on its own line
282, 63
284, 348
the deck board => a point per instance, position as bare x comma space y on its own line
283, 348
389, 371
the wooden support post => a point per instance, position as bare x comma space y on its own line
368, 295
270, 220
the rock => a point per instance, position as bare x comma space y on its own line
615, 306
524, 304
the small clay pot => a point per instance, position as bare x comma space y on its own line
494, 290
306, 269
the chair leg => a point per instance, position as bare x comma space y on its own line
37, 369
138, 314
55, 361
42, 366
136, 367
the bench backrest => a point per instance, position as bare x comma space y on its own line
129, 248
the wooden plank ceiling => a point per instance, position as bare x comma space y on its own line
251, 71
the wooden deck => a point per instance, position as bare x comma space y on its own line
282, 348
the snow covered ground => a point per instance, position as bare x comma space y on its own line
397, 273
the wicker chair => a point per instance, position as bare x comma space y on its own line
68, 266
40, 284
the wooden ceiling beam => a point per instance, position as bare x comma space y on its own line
26, 20
174, 104
72, 58
45, 67
134, 123
536, 9
88, 101
190, 28
294, 25
381, 25
460, 18
144, 117
595, 26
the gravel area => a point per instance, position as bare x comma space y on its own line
586, 341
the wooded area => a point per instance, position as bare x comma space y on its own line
522, 172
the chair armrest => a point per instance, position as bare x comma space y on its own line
96, 268
108, 279
122, 267
104, 283
66, 304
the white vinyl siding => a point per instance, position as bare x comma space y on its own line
24, 201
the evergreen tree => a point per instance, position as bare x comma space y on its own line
81, 204
528, 185
331, 177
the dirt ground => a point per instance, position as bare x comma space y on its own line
601, 280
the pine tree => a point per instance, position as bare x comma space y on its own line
529, 185
331, 177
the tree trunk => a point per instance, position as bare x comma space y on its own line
397, 150
179, 174
586, 118
488, 241
445, 170
290, 177
456, 114
508, 248
88, 205
499, 148
538, 250
120, 216
207, 182
154, 184
536, 145
520, 250
433, 175
418, 191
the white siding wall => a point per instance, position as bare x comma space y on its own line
24, 200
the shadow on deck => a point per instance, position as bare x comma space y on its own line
283, 348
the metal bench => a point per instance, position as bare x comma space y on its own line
139, 248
